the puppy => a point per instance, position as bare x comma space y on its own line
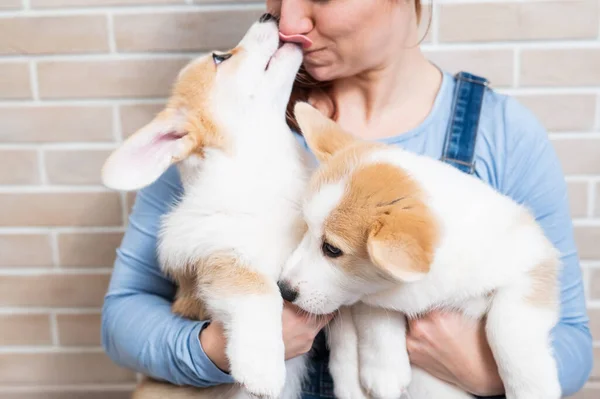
243, 172
394, 234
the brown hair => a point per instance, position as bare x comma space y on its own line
418, 9
306, 85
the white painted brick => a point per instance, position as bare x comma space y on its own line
550, 64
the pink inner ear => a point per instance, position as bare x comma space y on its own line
155, 154
169, 136
147, 153
160, 142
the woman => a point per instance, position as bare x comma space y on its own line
366, 70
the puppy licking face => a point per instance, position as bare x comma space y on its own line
215, 99
368, 226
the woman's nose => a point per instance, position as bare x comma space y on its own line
294, 17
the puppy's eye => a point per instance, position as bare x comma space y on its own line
218, 58
331, 251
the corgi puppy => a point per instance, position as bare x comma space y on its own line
243, 172
392, 234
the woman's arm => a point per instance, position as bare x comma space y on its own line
139, 331
455, 349
533, 176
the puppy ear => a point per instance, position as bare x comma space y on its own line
323, 136
401, 244
145, 155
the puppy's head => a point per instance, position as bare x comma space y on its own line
215, 97
368, 225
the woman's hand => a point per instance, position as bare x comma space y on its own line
300, 329
299, 332
213, 341
455, 349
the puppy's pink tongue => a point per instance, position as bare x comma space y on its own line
300, 39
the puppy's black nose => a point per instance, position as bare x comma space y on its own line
287, 292
266, 17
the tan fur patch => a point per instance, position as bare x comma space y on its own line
382, 203
220, 274
191, 95
544, 276
323, 136
342, 165
544, 284
186, 303
300, 228
225, 274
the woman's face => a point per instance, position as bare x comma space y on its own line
348, 36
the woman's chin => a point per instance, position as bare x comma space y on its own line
321, 73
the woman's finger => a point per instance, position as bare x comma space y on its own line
414, 347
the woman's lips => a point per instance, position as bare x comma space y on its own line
304, 41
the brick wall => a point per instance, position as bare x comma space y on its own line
76, 76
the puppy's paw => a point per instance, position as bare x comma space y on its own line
348, 390
385, 383
260, 369
346, 384
259, 385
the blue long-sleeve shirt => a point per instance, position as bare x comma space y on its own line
513, 155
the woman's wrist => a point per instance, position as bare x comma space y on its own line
212, 340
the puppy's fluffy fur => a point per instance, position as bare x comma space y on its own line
394, 234
243, 172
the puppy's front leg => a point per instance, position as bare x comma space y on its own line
343, 356
250, 307
518, 328
385, 370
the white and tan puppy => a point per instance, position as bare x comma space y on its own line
243, 173
390, 230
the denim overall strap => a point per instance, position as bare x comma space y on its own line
459, 145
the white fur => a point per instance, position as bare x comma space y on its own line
342, 339
424, 385
488, 245
254, 345
318, 207
382, 375
244, 201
